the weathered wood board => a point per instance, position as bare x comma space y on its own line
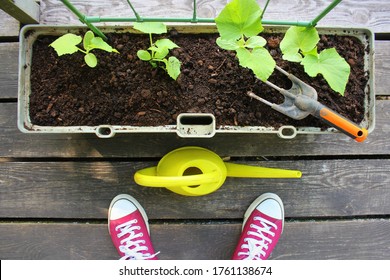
342, 188
373, 14
9, 27
9, 53
307, 240
26, 11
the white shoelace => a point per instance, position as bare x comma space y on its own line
256, 247
130, 247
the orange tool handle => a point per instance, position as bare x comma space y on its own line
346, 126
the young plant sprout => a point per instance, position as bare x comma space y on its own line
67, 44
300, 45
239, 24
158, 51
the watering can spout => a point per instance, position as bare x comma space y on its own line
195, 171
247, 171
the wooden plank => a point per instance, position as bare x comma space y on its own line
9, 70
84, 190
313, 240
54, 12
17, 144
366, 14
382, 67
25, 11
9, 27
371, 14
300, 240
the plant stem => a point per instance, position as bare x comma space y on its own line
151, 45
242, 41
151, 40
81, 50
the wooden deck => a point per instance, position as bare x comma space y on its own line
55, 189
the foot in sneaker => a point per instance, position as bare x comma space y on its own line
129, 229
262, 227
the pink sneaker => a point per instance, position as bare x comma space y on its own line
129, 229
262, 227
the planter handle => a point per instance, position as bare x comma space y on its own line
105, 131
196, 125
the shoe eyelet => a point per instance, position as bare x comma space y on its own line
135, 221
141, 234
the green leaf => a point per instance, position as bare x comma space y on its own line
312, 52
230, 45
255, 42
166, 43
160, 53
331, 65
66, 44
258, 60
298, 39
293, 57
144, 55
153, 48
151, 27
173, 67
98, 43
239, 18
90, 59
154, 64
87, 40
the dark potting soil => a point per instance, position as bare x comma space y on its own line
122, 90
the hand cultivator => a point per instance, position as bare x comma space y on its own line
301, 100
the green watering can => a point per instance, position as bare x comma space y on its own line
195, 171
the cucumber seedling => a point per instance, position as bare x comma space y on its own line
300, 45
67, 44
239, 24
158, 51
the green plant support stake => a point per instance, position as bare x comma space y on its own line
324, 13
88, 20
84, 19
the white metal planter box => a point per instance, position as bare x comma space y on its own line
188, 125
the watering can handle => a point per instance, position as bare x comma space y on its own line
148, 177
